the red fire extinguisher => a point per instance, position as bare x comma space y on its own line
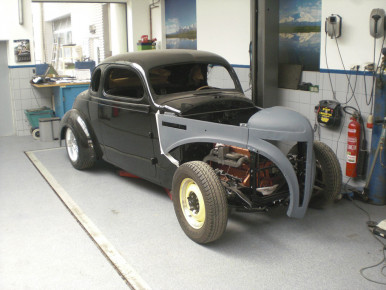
354, 133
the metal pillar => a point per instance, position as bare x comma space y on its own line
377, 181
265, 50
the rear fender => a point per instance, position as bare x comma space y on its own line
76, 120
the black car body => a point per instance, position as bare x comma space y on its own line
179, 118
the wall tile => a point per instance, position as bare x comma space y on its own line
24, 73
321, 80
14, 73
17, 105
304, 110
304, 97
341, 83
341, 148
293, 96
305, 77
25, 94
315, 97
326, 85
310, 77
25, 84
327, 142
311, 113
315, 77
243, 74
369, 84
15, 84
363, 104
15, 94
327, 95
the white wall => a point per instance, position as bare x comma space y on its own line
138, 23
11, 29
356, 43
223, 27
6, 117
118, 32
157, 26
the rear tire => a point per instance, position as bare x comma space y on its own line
199, 202
80, 157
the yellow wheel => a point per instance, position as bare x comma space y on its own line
192, 203
200, 202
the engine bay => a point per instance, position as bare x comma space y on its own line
252, 182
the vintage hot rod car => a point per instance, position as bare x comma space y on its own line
179, 118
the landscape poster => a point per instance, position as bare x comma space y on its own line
180, 20
299, 38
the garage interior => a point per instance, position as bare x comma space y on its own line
95, 229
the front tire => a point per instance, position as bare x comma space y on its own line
80, 157
199, 202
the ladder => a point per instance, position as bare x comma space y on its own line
55, 55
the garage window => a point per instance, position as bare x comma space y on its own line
123, 82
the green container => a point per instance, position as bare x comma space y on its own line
33, 115
145, 46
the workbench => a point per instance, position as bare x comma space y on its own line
64, 94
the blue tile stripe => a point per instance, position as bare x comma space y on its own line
240, 65
21, 66
349, 72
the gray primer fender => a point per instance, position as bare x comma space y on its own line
281, 124
174, 131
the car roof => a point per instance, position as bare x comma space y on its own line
154, 58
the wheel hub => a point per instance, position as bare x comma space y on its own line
192, 203
72, 145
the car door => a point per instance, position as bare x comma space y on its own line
125, 118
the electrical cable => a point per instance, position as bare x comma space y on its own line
373, 82
376, 265
353, 92
376, 65
362, 270
348, 79
364, 82
349, 107
340, 133
328, 69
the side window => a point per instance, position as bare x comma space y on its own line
96, 79
122, 82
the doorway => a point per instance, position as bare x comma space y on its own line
6, 121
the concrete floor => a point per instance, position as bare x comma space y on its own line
42, 246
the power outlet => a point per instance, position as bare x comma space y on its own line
369, 66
